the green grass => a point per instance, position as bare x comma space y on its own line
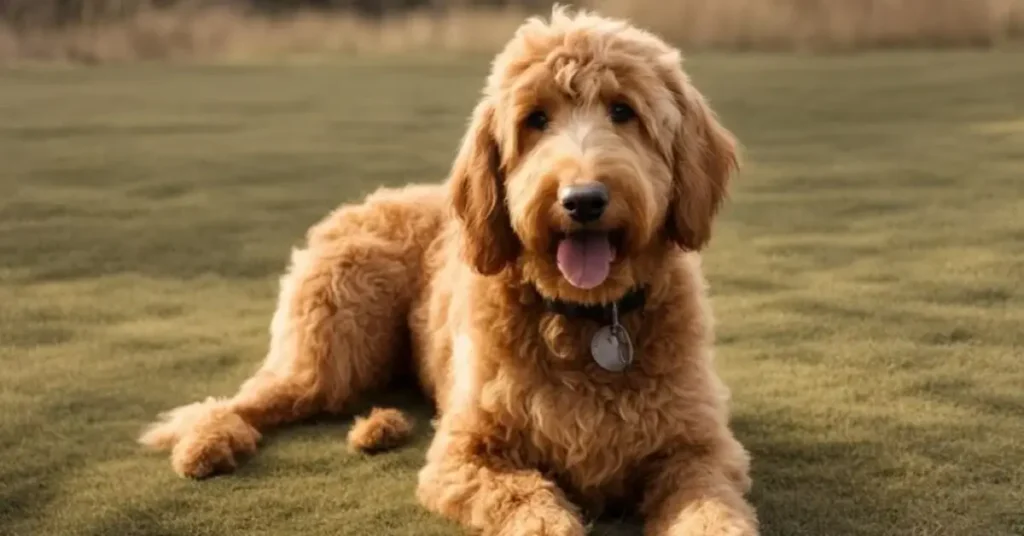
867, 279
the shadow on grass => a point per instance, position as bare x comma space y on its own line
873, 487
25, 491
32, 485
808, 487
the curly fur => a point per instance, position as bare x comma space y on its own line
382, 429
531, 434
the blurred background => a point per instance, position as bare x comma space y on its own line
102, 30
159, 158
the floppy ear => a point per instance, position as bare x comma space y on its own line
704, 155
478, 197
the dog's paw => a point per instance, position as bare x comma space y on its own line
730, 528
204, 438
543, 521
714, 519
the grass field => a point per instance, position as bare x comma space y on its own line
867, 278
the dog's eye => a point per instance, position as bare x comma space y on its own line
620, 112
537, 120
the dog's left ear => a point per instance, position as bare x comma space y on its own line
704, 158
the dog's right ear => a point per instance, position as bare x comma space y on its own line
478, 197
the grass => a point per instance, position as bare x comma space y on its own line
866, 278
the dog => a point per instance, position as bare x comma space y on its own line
548, 296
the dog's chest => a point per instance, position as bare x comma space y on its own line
592, 435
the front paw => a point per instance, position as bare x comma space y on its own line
734, 527
204, 452
715, 519
204, 438
542, 520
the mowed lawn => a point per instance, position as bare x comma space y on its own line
866, 276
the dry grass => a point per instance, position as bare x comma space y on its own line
831, 24
225, 34
229, 34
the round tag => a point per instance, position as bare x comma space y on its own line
611, 348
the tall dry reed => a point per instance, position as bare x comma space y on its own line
830, 24
136, 31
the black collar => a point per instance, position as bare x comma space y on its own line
632, 301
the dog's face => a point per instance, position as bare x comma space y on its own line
588, 158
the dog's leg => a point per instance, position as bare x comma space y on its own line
488, 493
700, 492
205, 437
334, 335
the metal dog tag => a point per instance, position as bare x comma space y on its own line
611, 347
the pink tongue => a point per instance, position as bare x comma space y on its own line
585, 260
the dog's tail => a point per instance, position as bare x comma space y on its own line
383, 429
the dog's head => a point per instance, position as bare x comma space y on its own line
588, 157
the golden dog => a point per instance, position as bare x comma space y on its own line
549, 297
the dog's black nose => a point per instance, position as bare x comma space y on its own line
584, 202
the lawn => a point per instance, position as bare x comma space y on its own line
867, 277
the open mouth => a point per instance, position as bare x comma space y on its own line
585, 257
